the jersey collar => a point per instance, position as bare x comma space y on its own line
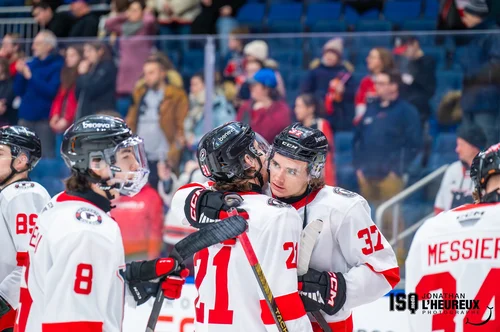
88, 196
300, 201
18, 180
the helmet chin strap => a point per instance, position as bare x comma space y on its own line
13, 172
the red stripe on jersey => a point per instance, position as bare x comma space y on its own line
391, 275
309, 198
473, 206
437, 210
22, 258
290, 305
192, 185
73, 326
343, 326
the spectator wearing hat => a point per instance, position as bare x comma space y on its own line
265, 112
86, 23
480, 60
331, 81
456, 187
418, 74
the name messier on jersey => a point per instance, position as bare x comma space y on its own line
465, 248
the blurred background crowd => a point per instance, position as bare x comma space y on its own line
400, 88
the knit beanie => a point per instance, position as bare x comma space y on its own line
473, 135
477, 8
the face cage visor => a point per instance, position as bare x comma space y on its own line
259, 147
128, 166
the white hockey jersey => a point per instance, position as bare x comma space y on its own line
20, 203
455, 189
352, 244
74, 281
229, 298
456, 256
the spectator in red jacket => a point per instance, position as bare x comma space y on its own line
264, 112
379, 59
64, 106
307, 112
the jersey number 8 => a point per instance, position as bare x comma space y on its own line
83, 280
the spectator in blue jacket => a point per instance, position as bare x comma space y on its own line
480, 60
386, 140
37, 83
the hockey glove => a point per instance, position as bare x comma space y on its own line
153, 269
322, 291
205, 206
4, 307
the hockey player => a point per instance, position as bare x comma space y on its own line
20, 201
75, 280
229, 298
455, 256
352, 263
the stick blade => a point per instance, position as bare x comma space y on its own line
209, 235
307, 241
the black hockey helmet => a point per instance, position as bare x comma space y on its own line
484, 165
221, 152
305, 144
22, 139
103, 137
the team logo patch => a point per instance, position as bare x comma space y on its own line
24, 185
277, 203
88, 216
343, 192
203, 155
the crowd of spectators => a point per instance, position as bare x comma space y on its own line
388, 109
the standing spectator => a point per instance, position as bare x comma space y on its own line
175, 16
194, 127
480, 61
265, 111
456, 187
386, 141
173, 76
307, 112
419, 77
117, 7
157, 115
86, 23
8, 115
95, 85
217, 16
134, 48
63, 111
11, 50
140, 219
331, 79
59, 23
379, 59
37, 83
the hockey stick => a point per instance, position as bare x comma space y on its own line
307, 241
261, 278
205, 237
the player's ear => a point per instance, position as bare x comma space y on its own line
21, 162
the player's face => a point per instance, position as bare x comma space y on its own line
127, 162
289, 177
5, 161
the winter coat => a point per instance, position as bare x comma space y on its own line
85, 26
65, 104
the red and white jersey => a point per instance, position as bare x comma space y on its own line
229, 298
20, 203
455, 189
352, 244
74, 282
457, 253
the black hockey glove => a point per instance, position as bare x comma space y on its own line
322, 291
149, 270
205, 206
4, 307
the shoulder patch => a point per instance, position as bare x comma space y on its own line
277, 203
24, 185
344, 192
88, 216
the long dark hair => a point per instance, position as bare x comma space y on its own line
69, 75
311, 100
4, 69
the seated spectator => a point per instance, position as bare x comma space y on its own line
456, 187
134, 48
379, 59
59, 23
175, 16
386, 141
418, 76
8, 115
194, 124
157, 115
332, 79
37, 83
307, 112
480, 62
265, 111
233, 61
86, 23
217, 16
95, 85
63, 111
141, 223
11, 50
